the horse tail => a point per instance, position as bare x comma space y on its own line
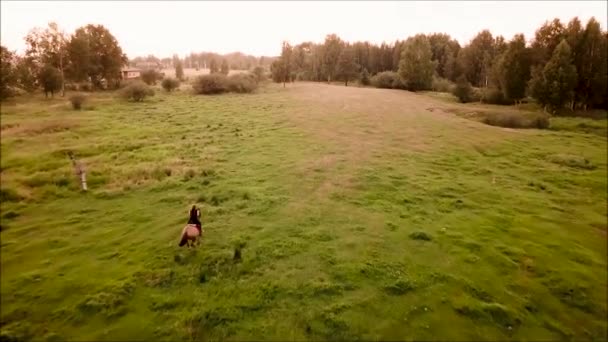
184, 239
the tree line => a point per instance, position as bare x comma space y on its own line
91, 54
204, 60
91, 58
563, 65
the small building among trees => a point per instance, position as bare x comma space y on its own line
130, 73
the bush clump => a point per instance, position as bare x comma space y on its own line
219, 83
494, 96
399, 83
364, 77
150, 76
169, 84
420, 236
242, 83
210, 84
463, 90
77, 100
442, 85
517, 120
385, 79
258, 72
136, 92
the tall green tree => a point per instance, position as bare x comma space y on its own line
78, 53
397, 50
554, 86
213, 68
224, 69
476, 57
51, 80
179, 70
364, 77
277, 71
514, 69
286, 62
95, 52
331, 53
8, 77
416, 67
26, 74
593, 69
444, 51
347, 67
546, 39
298, 60
47, 47
573, 33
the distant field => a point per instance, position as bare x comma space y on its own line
188, 72
364, 214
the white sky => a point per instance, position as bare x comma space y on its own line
163, 28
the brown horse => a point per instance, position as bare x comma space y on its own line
193, 230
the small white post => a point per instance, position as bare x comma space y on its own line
80, 172
83, 180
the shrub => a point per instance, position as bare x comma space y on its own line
420, 236
210, 84
364, 77
258, 72
399, 83
77, 100
170, 83
494, 96
242, 83
442, 85
50, 78
150, 76
463, 90
385, 79
517, 120
136, 91
476, 94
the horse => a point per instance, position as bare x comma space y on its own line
193, 230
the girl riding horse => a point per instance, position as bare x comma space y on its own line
193, 230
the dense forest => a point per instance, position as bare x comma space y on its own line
563, 65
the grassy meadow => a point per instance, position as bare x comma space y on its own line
360, 213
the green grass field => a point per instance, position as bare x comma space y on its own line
360, 213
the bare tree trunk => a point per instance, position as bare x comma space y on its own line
62, 75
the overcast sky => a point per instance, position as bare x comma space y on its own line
164, 28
